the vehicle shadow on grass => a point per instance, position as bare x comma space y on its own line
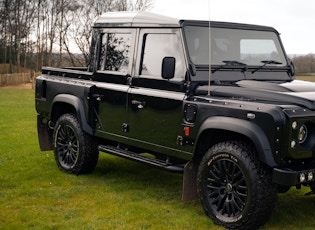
156, 191
293, 210
124, 174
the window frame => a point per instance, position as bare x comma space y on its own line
140, 52
130, 31
239, 34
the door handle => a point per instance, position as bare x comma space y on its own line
139, 104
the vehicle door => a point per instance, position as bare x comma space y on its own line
154, 103
110, 78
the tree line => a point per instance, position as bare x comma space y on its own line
36, 33
304, 64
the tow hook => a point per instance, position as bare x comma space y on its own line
51, 124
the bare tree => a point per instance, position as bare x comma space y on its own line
141, 5
52, 28
82, 31
3, 32
304, 63
39, 47
122, 5
17, 20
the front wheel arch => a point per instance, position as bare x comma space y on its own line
218, 129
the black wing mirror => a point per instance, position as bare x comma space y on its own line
168, 67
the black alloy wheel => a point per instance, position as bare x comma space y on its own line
67, 146
75, 151
236, 190
227, 188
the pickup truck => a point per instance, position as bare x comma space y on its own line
215, 101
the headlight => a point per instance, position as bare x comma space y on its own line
302, 135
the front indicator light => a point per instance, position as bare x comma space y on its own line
294, 125
293, 143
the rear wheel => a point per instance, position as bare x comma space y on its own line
75, 151
235, 189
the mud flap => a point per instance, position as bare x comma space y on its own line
44, 135
190, 191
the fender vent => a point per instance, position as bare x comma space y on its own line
190, 112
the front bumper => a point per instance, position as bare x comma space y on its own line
290, 177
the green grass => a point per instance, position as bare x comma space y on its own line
119, 194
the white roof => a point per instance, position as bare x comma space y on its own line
135, 19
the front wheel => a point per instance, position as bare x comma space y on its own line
75, 151
235, 188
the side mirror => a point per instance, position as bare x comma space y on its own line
168, 67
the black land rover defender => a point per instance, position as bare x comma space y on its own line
240, 129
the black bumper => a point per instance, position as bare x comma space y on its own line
290, 177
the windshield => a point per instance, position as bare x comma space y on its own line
246, 47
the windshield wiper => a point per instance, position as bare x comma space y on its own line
267, 62
229, 63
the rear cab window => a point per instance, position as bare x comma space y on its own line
115, 51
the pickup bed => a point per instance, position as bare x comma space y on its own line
240, 129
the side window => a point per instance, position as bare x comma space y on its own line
115, 52
156, 47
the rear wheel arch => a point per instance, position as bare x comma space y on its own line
64, 103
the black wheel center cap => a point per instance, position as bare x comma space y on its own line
229, 187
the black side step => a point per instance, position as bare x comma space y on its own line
139, 158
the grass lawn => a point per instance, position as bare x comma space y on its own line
119, 194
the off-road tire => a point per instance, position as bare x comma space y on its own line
235, 188
75, 151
